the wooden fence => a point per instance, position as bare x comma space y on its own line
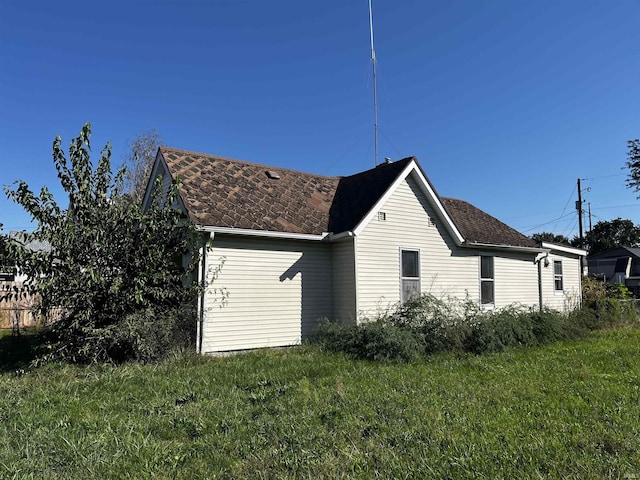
17, 314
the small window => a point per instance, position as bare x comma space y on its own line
410, 274
557, 276
487, 289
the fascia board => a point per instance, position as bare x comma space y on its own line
565, 249
508, 248
427, 189
152, 178
261, 233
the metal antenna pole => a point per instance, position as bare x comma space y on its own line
375, 93
579, 209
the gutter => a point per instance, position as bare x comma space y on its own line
539, 258
564, 248
331, 236
509, 248
262, 233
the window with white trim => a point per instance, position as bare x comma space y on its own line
409, 274
487, 280
558, 284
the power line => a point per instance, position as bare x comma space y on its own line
606, 176
565, 206
617, 206
557, 220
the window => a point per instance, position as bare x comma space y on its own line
409, 274
557, 276
487, 296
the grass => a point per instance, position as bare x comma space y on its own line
566, 410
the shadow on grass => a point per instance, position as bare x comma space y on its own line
17, 352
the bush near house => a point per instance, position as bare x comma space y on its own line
426, 324
111, 269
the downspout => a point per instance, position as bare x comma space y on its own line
202, 280
539, 258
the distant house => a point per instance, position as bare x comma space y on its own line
18, 313
297, 247
617, 265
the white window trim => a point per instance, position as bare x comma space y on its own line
409, 249
555, 291
486, 306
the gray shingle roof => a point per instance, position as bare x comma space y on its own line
223, 192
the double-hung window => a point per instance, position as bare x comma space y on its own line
409, 274
557, 276
487, 290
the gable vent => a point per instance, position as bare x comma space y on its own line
382, 216
273, 175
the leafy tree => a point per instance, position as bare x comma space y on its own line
611, 234
633, 164
3, 246
551, 238
142, 154
111, 270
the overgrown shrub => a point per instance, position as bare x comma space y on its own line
497, 330
611, 304
369, 341
108, 263
332, 336
147, 336
426, 324
439, 325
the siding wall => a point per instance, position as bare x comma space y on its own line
344, 280
516, 280
271, 286
445, 269
572, 278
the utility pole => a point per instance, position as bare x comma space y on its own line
579, 209
589, 216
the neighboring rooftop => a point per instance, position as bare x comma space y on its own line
224, 192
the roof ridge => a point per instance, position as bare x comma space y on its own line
246, 162
381, 165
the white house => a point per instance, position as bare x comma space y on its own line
290, 248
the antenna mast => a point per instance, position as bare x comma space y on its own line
375, 93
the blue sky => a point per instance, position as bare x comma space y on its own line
505, 103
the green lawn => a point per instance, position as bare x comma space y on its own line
567, 410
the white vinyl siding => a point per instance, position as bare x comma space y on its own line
344, 281
570, 295
277, 291
516, 280
410, 220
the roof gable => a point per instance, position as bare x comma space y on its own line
357, 195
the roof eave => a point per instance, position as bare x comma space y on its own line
508, 248
262, 233
564, 249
